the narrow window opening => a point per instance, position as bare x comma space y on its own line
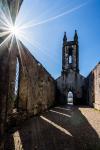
16, 85
70, 59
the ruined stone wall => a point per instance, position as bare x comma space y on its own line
36, 86
97, 87
4, 65
7, 85
3, 91
93, 82
90, 89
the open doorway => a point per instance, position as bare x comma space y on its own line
70, 98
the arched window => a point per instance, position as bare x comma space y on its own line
70, 59
70, 98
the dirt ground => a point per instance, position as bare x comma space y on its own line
60, 128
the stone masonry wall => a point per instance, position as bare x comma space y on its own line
3, 92
4, 65
36, 87
97, 87
73, 82
93, 88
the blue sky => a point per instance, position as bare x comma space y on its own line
45, 39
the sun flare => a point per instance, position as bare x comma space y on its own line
21, 29
14, 30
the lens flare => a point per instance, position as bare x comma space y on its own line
14, 30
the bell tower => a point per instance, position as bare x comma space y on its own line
70, 54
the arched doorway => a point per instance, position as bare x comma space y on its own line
70, 98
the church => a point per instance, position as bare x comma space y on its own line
71, 81
71, 85
28, 89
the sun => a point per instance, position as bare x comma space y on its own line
14, 30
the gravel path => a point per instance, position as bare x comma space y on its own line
61, 128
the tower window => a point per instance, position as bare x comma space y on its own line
70, 59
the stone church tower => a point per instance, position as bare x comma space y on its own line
70, 80
70, 54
